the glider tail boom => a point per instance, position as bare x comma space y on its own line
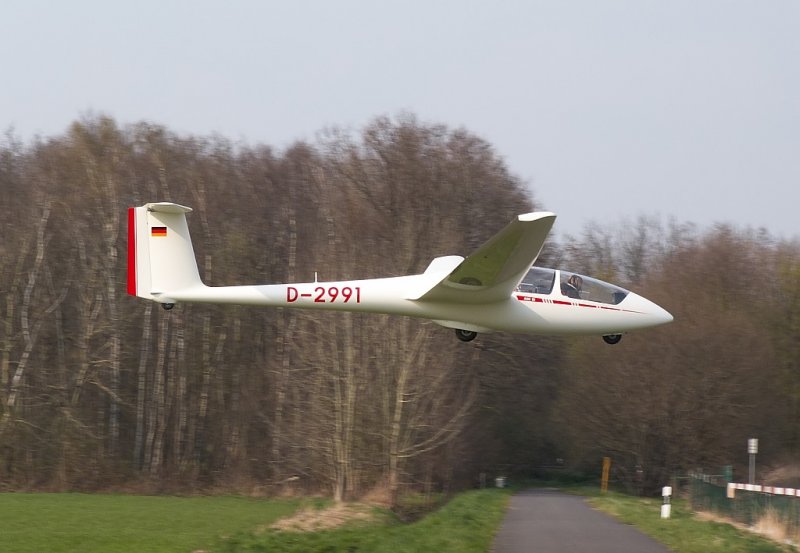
160, 254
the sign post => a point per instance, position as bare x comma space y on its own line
752, 449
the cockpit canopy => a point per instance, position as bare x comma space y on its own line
541, 281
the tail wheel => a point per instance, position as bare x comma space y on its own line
612, 338
465, 335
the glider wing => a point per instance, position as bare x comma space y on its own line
495, 269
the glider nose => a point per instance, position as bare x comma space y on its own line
654, 314
661, 315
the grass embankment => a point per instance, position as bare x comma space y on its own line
87, 523
684, 532
467, 524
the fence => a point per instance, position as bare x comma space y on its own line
746, 504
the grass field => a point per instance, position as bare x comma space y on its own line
61, 523
87, 523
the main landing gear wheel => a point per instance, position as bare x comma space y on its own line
167, 306
465, 335
612, 338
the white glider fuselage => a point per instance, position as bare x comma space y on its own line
552, 314
495, 289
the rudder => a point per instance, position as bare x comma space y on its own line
160, 254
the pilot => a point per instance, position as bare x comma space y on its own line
572, 288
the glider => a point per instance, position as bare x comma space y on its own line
494, 289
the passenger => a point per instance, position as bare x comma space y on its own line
572, 288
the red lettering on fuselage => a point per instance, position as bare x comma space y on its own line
326, 294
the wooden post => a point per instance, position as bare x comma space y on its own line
606, 471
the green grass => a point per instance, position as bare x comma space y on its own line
683, 532
61, 523
86, 523
467, 524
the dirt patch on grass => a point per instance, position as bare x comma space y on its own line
773, 526
712, 517
314, 520
769, 526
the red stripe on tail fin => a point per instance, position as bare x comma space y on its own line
131, 251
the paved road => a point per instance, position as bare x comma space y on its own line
541, 521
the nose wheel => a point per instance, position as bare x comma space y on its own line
465, 335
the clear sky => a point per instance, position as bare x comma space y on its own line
607, 109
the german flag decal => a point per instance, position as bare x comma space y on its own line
158, 231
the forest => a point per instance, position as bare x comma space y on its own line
103, 391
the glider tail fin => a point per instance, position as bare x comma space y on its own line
160, 254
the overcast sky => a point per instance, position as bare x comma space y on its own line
607, 109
